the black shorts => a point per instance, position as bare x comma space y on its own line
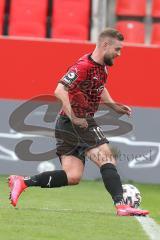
73, 140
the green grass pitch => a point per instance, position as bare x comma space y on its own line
82, 212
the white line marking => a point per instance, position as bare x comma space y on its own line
151, 228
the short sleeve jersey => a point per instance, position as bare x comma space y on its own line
85, 82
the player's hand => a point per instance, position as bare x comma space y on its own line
81, 122
122, 109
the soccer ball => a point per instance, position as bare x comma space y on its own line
45, 166
131, 195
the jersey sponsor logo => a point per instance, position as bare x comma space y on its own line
70, 77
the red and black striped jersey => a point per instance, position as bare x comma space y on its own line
85, 82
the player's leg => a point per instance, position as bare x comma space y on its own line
97, 149
50, 179
72, 170
66, 139
103, 157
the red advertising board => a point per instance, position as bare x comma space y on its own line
30, 68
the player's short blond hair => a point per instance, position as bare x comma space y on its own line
111, 33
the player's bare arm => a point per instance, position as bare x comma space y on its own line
62, 94
118, 107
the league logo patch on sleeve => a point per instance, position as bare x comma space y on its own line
70, 77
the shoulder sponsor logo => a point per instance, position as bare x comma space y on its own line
70, 77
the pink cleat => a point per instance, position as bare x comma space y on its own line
126, 210
17, 186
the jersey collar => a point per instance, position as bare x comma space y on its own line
91, 59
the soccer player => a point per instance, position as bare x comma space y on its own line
78, 136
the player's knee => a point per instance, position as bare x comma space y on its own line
73, 179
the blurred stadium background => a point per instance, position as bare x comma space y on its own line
41, 38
